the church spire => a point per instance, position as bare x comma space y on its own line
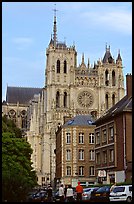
55, 27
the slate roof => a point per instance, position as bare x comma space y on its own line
21, 94
107, 57
80, 120
125, 104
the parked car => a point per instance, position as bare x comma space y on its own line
121, 193
39, 196
87, 193
56, 197
101, 194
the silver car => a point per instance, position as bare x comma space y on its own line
87, 193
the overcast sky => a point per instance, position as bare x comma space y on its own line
27, 29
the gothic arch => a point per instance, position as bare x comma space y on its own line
65, 66
12, 115
23, 119
65, 99
113, 78
113, 99
106, 78
57, 99
107, 100
58, 66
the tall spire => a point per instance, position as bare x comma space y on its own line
55, 27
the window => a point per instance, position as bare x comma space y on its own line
91, 171
106, 101
106, 78
58, 66
113, 78
81, 154
68, 155
97, 138
65, 67
68, 138
81, 170
43, 178
57, 99
111, 155
81, 138
68, 171
111, 133
98, 158
91, 138
104, 157
92, 155
65, 100
104, 135
113, 99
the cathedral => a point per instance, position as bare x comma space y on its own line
69, 90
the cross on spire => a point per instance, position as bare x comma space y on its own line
55, 10
55, 28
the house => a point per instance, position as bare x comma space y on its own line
75, 155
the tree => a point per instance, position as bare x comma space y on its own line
18, 176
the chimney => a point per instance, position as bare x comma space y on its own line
129, 85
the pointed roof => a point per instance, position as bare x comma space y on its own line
107, 57
80, 120
21, 94
119, 56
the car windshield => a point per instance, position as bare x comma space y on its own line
118, 189
86, 190
104, 188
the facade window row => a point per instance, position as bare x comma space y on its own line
107, 101
105, 156
107, 78
81, 138
13, 115
81, 154
104, 135
58, 100
80, 171
59, 67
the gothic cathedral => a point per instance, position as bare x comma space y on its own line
69, 90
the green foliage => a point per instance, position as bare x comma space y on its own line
9, 126
18, 176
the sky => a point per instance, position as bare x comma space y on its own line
27, 29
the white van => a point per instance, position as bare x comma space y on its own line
121, 193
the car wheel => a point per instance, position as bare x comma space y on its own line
129, 200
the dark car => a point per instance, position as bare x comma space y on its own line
39, 196
56, 197
101, 194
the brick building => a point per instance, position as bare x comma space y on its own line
113, 146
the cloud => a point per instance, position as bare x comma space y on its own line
118, 20
22, 42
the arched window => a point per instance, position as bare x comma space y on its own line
106, 78
57, 99
24, 119
65, 100
58, 66
65, 67
113, 78
113, 99
106, 101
